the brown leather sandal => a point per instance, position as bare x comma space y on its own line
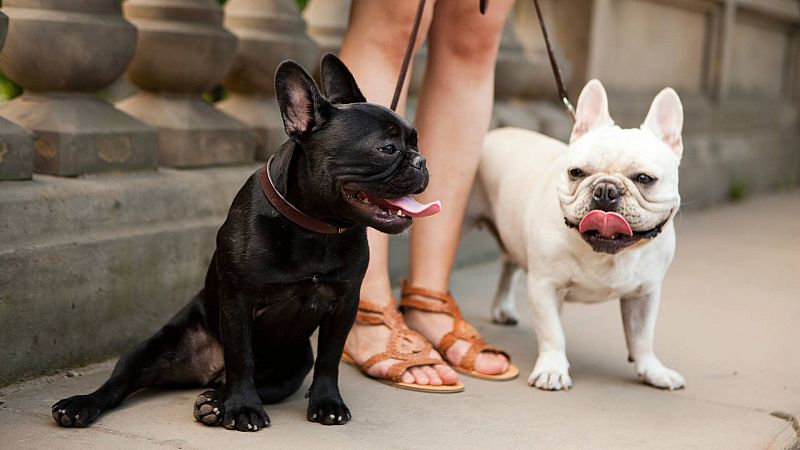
404, 345
439, 302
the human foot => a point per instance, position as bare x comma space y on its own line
434, 315
380, 333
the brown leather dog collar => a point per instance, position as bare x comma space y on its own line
290, 211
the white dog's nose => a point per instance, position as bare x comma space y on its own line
605, 196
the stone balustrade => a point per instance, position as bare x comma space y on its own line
182, 51
269, 32
61, 53
16, 144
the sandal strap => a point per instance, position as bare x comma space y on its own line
443, 302
370, 313
395, 373
469, 358
405, 345
430, 301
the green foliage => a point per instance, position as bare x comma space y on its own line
215, 94
8, 89
738, 190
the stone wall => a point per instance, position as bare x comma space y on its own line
108, 209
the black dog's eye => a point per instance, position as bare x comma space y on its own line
388, 149
576, 173
644, 178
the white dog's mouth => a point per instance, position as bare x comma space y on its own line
609, 232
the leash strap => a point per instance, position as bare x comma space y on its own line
562, 91
401, 79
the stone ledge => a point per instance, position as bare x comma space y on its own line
90, 266
48, 207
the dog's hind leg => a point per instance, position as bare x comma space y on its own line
182, 352
504, 310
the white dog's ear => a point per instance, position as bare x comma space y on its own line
592, 110
665, 119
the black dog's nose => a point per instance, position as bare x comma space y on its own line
605, 196
418, 161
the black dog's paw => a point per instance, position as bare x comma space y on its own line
243, 416
209, 408
328, 412
77, 411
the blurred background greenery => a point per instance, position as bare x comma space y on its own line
9, 90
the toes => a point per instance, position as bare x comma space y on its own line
77, 411
419, 375
246, 419
491, 363
664, 378
446, 373
208, 408
434, 378
550, 380
505, 316
407, 377
330, 412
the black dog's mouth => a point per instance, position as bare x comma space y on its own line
374, 206
617, 242
393, 212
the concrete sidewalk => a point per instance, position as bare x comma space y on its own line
729, 322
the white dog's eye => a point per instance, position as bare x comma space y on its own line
576, 173
388, 149
644, 178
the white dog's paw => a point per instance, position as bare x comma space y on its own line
654, 373
505, 315
551, 372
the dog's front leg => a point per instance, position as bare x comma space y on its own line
243, 408
639, 313
551, 371
325, 404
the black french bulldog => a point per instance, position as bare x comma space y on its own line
272, 282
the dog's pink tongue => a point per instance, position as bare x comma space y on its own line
413, 208
607, 224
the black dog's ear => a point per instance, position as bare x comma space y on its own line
302, 106
338, 83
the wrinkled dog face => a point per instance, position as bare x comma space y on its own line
620, 186
362, 157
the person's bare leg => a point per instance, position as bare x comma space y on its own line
452, 119
373, 50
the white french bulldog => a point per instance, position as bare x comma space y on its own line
589, 222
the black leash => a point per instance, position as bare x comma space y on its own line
484, 4
412, 39
401, 79
562, 91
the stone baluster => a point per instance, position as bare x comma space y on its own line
522, 72
183, 50
75, 132
525, 88
527, 34
327, 23
269, 31
16, 144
